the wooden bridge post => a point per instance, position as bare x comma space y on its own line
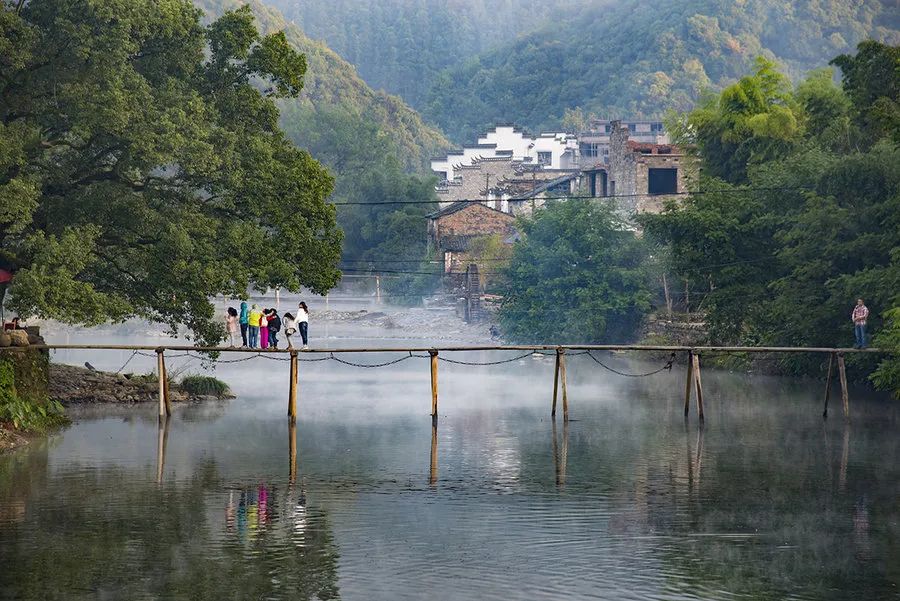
696, 362
562, 376
165, 406
842, 375
828, 384
688, 383
434, 387
555, 384
292, 394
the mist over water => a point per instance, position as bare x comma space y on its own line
627, 501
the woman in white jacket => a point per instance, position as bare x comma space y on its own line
303, 323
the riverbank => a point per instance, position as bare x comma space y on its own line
71, 385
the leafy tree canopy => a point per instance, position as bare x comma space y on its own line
578, 276
142, 168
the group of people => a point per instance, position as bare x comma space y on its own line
260, 327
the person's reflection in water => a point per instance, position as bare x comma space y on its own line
263, 496
861, 528
230, 512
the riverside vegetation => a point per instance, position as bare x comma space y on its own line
797, 215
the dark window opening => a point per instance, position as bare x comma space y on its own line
662, 181
545, 158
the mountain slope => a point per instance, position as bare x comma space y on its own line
333, 91
401, 45
642, 58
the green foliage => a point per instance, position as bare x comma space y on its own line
494, 255
872, 80
402, 45
644, 58
141, 175
204, 386
369, 140
334, 92
579, 276
784, 263
887, 376
22, 413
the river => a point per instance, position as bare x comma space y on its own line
627, 501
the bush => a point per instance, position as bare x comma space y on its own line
22, 413
205, 386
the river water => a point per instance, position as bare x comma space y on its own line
627, 501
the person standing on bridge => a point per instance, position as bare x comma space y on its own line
303, 323
243, 321
290, 328
231, 324
860, 313
264, 329
253, 326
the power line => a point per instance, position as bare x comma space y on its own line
735, 191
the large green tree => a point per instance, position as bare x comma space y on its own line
579, 275
142, 169
817, 223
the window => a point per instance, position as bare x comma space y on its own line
662, 181
545, 158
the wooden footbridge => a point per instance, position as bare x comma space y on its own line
693, 382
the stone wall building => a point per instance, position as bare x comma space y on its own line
641, 176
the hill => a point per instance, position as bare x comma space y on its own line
402, 45
334, 98
642, 58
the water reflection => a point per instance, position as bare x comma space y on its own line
560, 452
172, 536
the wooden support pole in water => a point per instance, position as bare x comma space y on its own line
696, 362
842, 375
562, 376
688, 383
292, 393
434, 387
828, 384
165, 407
555, 385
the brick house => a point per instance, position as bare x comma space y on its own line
452, 228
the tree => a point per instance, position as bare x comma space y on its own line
817, 226
578, 276
872, 80
142, 169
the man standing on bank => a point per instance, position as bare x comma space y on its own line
860, 313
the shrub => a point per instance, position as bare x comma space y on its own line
205, 386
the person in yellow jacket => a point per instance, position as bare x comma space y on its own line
253, 322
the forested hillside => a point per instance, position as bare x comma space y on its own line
642, 58
334, 96
370, 141
402, 45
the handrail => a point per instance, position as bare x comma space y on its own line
425, 349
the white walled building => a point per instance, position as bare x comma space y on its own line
550, 150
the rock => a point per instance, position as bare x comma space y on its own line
18, 337
5, 340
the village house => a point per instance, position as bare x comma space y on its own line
509, 173
641, 176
